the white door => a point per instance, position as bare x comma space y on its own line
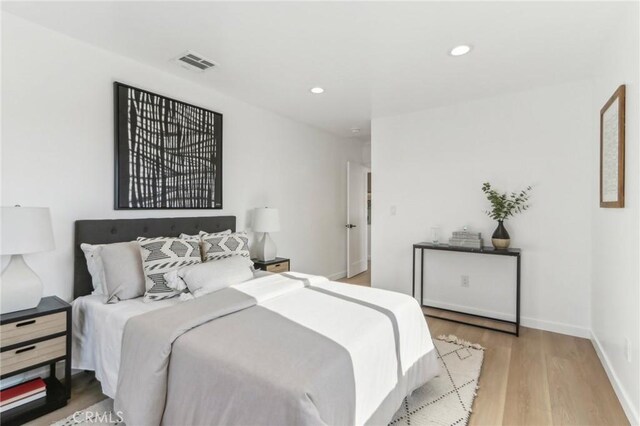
356, 219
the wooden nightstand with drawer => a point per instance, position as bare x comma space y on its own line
279, 264
35, 338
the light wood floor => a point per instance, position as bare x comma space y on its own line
537, 379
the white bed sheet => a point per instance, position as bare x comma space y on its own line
97, 334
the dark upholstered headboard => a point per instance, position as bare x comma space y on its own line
105, 231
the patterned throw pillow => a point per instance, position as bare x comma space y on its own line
186, 236
221, 246
161, 255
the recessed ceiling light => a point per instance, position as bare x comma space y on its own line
463, 49
316, 90
355, 130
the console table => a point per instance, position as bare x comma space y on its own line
512, 252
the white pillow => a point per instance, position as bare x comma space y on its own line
208, 277
95, 267
124, 278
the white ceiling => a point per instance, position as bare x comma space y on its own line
372, 58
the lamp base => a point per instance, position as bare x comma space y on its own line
21, 288
266, 248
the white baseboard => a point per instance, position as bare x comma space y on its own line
337, 275
555, 327
470, 310
625, 401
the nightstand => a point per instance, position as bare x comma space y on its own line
34, 338
279, 264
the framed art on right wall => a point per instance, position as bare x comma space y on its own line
612, 151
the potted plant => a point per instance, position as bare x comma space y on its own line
504, 206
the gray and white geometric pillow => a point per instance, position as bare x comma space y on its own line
161, 255
221, 246
184, 236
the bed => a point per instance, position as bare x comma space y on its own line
285, 348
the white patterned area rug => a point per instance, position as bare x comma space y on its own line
445, 400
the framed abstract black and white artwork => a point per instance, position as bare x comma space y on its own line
168, 153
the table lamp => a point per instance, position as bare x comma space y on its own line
24, 230
266, 219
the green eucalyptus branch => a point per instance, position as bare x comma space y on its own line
503, 205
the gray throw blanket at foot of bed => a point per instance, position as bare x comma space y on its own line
231, 362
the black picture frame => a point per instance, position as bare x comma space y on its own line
172, 160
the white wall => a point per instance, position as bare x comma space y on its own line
615, 290
366, 153
58, 150
431, 164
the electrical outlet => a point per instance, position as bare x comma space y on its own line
627, 349
464, 280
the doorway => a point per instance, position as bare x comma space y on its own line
358, 226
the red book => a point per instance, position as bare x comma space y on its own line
22, 390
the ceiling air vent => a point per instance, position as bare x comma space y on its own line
194, 61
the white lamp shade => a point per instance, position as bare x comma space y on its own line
266, 219
25, 230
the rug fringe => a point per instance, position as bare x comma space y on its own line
452, 338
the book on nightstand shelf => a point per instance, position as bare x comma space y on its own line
23, 393
18, 403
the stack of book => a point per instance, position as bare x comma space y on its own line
466, 239
22, 394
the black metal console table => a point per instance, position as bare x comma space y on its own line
512, 252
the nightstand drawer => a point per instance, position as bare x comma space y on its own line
32, 354
32, 328
278, 267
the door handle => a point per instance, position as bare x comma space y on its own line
350, 226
